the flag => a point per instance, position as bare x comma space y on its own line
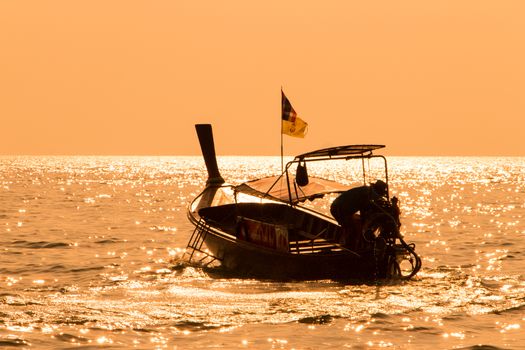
292, 125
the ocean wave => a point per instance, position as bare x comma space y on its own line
40, 244
482, 347
322, 319
196, 326
511, 310
87, 269
69, 338
110, 241
13, 341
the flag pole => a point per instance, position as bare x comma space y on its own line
282, 166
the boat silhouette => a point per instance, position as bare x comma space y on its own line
262, 229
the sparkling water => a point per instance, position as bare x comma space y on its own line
91, 247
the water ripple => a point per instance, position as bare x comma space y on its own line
87, 246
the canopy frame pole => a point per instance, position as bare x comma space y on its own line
364, 170
282, 162
281, 121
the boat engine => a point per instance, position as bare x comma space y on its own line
381, 228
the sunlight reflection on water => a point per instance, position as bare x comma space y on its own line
88, 247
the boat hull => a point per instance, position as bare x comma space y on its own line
320, 258
248, 260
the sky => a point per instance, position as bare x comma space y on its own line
128, 77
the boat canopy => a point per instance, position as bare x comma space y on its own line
284, 188
276, 188
340, 152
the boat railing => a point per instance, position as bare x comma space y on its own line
314, 235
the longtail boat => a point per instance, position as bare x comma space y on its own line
263, 229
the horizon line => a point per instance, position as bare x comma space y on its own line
246, 155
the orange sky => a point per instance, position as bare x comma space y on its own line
430, 77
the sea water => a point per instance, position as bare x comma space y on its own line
90, 252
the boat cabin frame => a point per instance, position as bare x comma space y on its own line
348, 152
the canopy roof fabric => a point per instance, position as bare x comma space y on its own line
276, 188
349, 150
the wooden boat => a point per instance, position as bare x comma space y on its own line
261, 228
